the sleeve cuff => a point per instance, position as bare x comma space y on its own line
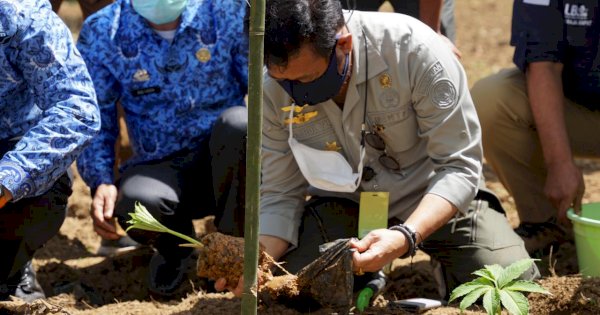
16, 180
279, 226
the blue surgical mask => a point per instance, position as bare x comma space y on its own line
159, 11
321, 89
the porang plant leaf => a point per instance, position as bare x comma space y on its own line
499, 289
491, 302
486, 274
495, 270
467, 287
513, 271
526, 286
473, 296
514, 302
143, 220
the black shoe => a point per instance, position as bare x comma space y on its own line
540, 237
168, 271
24, 285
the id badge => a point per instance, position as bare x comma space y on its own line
373, 211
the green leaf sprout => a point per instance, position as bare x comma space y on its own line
143, 220
499, 288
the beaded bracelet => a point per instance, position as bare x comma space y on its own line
411, 237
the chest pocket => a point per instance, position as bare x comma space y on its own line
315, 133
399, 128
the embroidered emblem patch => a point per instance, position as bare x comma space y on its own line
443, 94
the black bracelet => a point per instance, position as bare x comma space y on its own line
411, 237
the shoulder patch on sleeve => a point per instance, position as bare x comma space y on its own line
443, 94
433, 73
537, 2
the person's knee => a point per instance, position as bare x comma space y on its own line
488, 94
157, 203
233, 119
230, 130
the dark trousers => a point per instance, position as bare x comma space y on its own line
482, 236
29, 223
191, 184
409, 7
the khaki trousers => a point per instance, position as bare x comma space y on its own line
482, 236
511, 144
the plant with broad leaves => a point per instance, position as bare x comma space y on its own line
499, 288
143, 220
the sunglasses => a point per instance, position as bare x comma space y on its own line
376, 142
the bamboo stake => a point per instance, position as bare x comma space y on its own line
255, 99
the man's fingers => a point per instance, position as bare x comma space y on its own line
106, 234
363, 244
220, 284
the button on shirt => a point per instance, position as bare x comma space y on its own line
561, 31
47, 98
171, 93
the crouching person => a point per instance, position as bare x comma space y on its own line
375, 104
179, 69
49, 113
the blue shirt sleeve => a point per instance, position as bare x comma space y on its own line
96, 163
537, 32
60, 85
239, 53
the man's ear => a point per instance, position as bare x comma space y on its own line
344, 43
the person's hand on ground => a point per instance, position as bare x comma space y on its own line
565, 187
377, 249
103, 205
222, 285
6, 197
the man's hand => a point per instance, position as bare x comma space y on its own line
6, 197
564, 187
221, 285
377, 249
103, 206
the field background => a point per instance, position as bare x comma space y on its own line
79, 282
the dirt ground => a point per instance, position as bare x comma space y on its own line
79, 282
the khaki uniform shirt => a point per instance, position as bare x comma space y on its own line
416, 89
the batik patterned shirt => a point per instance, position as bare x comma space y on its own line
171, 93
47, 101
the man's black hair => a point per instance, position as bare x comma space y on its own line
291, 23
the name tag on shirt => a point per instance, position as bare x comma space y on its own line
146, 91
537, 2
373, 211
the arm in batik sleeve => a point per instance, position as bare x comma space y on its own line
96, 163
62, 89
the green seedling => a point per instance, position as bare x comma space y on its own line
143, 220
499, 288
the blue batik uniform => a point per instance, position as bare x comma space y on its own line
47, 100
561, 31
171, 93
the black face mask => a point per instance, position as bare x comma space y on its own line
321, 89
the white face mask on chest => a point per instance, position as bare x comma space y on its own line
325, 170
